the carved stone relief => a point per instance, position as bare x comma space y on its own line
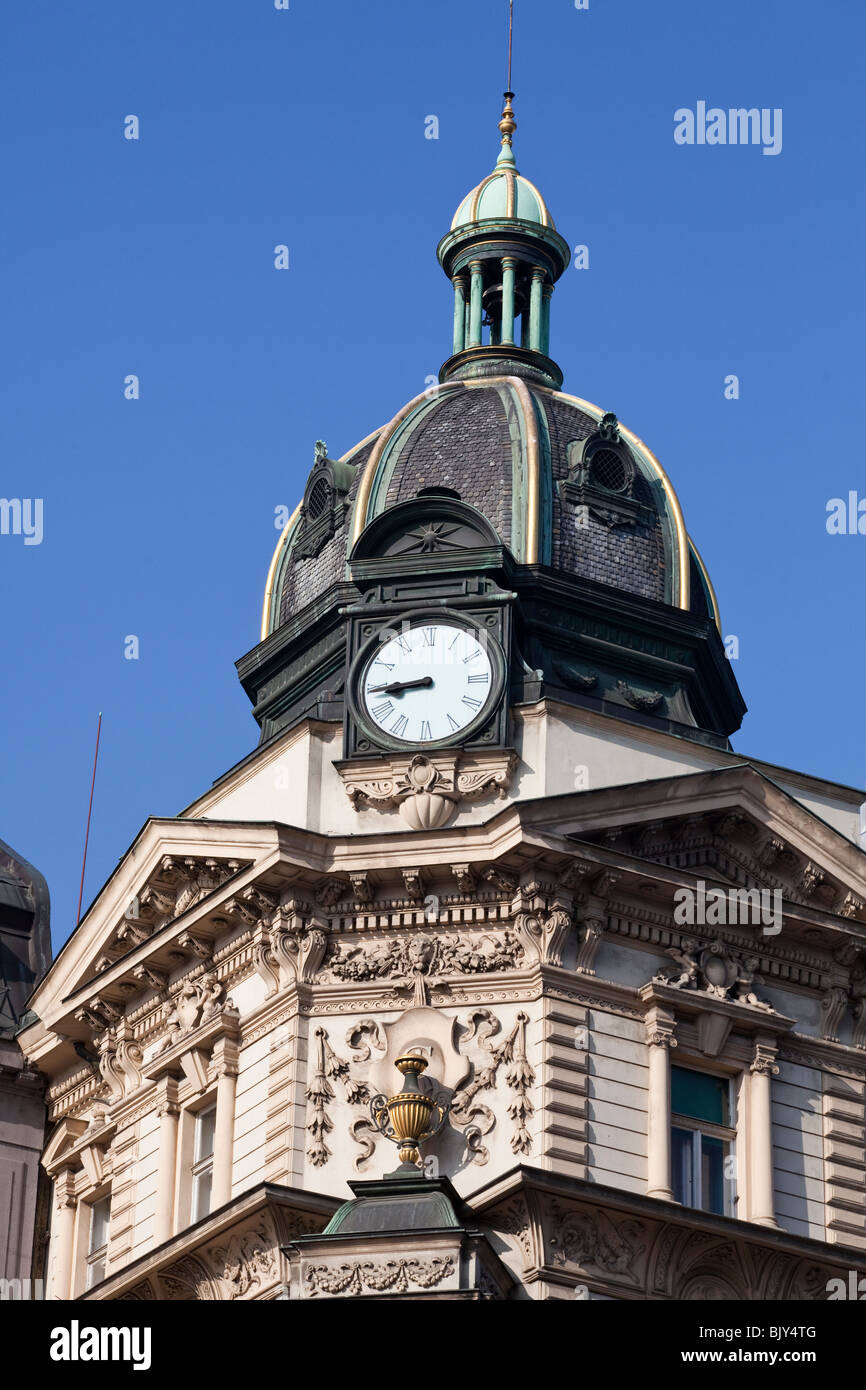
716, 970
246, 1261
378, 1276
467, 1112
428, 789
319, 1093
418, 962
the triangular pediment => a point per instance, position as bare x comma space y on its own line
733, 825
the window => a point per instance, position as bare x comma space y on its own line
97, 1243
202, 1168
702, 1139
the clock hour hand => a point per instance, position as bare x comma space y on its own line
397, 687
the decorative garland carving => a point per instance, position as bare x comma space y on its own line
418, 962
320, 1093
466, 1111
395, 1276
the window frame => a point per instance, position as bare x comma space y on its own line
95, 1257
202, 1164
727, 1134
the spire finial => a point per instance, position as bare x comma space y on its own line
508, 123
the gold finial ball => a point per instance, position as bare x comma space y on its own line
508, 124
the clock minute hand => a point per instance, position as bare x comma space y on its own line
397, 687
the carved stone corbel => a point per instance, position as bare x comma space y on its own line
267, 966
593, 919
465, 877
833, 1004
544, 933
197, 946
151, 978
542, 920
858, 1007
297, 942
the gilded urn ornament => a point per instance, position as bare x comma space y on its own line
411, 1117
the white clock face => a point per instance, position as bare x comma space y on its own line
427, 684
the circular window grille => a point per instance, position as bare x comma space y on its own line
318, 499
609, 470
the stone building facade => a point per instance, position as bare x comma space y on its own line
493, 820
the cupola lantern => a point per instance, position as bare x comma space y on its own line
503, 256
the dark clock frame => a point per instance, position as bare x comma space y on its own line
363, 738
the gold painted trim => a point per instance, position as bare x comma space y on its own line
365, 487
476, 196
283, 538
511, 176
709, 583
546, 219
269, 582
673, 500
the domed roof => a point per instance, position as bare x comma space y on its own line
561, 483
505, 194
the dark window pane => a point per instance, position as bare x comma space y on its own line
713, 1153
682, 1166
699, 1096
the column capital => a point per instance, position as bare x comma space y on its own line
660, 1028
225, 1056
764, 1060
166, 1097
64, 1189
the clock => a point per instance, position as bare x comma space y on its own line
431, 682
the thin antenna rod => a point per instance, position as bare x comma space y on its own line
87, 832
510, 28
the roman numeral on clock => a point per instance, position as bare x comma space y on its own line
471, 702
426, 733
400, 725
482, 676
429, 637
383, 710
452, 722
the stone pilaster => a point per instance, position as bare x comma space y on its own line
284, 1134
563, 1078
844, 1108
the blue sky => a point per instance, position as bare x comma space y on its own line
306, 127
